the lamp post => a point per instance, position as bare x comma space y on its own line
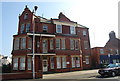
33, 58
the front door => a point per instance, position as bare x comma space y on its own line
45, 46
45, 65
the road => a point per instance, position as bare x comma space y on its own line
84, 75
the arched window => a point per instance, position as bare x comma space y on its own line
26, 16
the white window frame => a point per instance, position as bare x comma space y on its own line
57, 43
15, 63
30, 43
87, 59
72, 30
73, 62
28, 27
84, 33
16, 44
52, 62
26, 16
29, 64
72, 44
64, 62
63, 43
45, 28
22, 28
76, 44
58, 62
78, 62
57, 28
51, 44
23, 43
22, 63
101, 51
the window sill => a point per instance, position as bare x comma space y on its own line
15, 69
75, 67
21, 69
87, 64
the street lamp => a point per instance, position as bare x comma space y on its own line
33, 58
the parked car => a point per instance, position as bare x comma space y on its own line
110, 70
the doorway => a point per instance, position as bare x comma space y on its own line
45, 65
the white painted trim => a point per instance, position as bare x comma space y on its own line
46, 35
43, 54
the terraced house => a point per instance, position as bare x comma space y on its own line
60, 44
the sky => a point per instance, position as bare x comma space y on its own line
100, 16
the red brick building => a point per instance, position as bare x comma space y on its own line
110, 53
60, 44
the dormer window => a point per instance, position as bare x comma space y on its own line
72, 30
45, 28
26, 16
58, 28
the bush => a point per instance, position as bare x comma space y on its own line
6, 68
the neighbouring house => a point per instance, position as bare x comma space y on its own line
5, 60
110, 53
60, 45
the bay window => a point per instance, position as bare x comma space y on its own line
57, 43
22, 28
16, 43
76, 44
51, 44
52, 62
30, 43
73, 62
77, 62
15, 63
23, 43
58, 62
22, 63
72, 44
29, 64
27, 27
63, 62
63, 43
